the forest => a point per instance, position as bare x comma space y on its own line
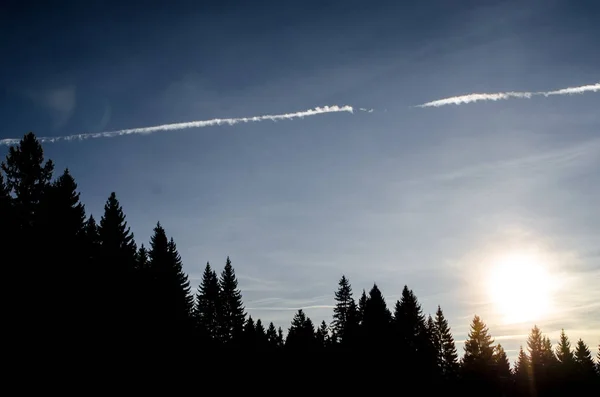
82, 283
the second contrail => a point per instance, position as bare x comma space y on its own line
476, 97
189, 124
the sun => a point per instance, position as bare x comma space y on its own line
521, 287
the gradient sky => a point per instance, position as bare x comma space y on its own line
424, 197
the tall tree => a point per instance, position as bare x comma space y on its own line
448, 356
322, 335
261, 335
478, 363
249, 334
522, 373
345, 312
232, 312
415, 342
272, 336
26, 180
583, 360
171, 296
564, 354
585, 375
116, 273
301, 334
63, 224
362, 304
207, 312
377, 320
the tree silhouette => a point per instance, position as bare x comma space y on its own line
322, 335
585, 367
522, 373
478, 364
376, 322
261, 335
116, 273
272, 337
249, 334
232, 314
301, 334
26, 179
207, 310
345, 313
447, 354
362, 304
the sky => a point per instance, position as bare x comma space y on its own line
435, 198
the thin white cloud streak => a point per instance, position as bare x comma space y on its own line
190, 124
477, 97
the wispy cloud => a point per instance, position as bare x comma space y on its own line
477, 97
191, 124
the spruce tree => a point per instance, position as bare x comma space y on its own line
585, 369
362, 304
249, 334
522, 373
345, 313
447, 353
171, 299
116, 273
502, 363
377, 319
322, 335
26, 180
301, 334
207, 312
272, 338
261, 335
564, 354
478, 360
416, 343
232, 314
280, 339
63, 224
583, 360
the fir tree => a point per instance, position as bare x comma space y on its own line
322, 335
362, 304
27, 178
522, 372
232, 312
117, 264
345, 312
63, 223
564, 354
376, 321
585, 369
280, 339
301, 334
478, 360
207, 312
447, 354
249, 334
172, 301
583, 360
416, 344
272, 338
261, 335
502, 363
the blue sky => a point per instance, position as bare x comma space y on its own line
424, 197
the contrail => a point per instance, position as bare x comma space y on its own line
189, 124
476, 97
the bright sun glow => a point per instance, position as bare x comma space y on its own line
521, 287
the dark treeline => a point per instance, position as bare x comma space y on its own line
83, 282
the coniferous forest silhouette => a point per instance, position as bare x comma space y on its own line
93, 285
